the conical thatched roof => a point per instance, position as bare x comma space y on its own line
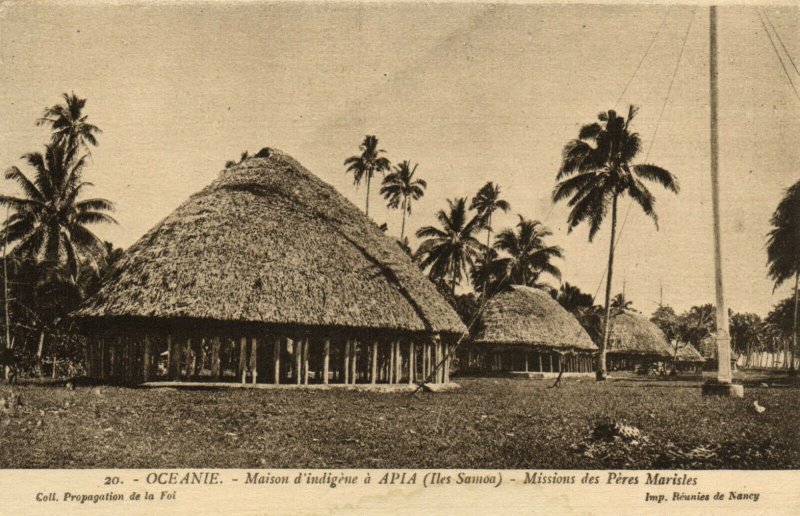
529, 316
269, 242
634, 334
688, 353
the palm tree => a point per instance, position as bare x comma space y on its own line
620, 302
367, 163
400, 188
49, 222
451, 250
528, 254
573, 299
595, 172
783, 249
69, 124
486, 202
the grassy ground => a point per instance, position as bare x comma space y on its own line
489, 423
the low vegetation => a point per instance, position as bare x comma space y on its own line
489, 423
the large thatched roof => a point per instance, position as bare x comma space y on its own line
688, 353
269, 242
634, 334
529, 316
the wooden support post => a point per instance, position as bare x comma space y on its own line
147, 359
254, 359
412, 361
297, 349
172, 359
243, 359
306, 346
346, 365
398, 362
326, 361
550, 356
526, 360
373, 373
448, 363
216, 366
392, 368
354, 361
276, 361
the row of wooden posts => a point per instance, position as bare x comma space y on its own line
514, 359
135, 359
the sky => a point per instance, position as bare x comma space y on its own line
471, 92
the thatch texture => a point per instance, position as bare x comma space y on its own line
688, 353
529, 316
269, 242
634, 334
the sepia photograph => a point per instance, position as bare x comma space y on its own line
334, 236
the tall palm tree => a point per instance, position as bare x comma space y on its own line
400, 188
366, 164
783, 249
69, 124
528, 255
486, 202
596, 170
451, 250
49, 223
572, 298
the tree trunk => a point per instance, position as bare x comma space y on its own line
403, 224
369, 179
39, 352
601, 358
794, 323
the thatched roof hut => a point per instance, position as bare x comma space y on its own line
530, 317
269, 247
688, 353
633, 334
521, 325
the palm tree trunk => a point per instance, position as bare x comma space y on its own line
369, 180
39, 352
794, 323
403, 224
601, 359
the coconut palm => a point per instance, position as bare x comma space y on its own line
572, 298
486, 202
400, 188
69, 124
49, 223
596, 170
783, 249
620, 302
451, 250
528, 255
365, 165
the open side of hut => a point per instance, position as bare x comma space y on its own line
523, 329
268, 275
636, 343
688, 359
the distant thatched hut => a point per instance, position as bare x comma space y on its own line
524, 329
635, 343
688, 359
268, 275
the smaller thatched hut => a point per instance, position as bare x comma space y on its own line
688, 359
523, 329
635, 343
